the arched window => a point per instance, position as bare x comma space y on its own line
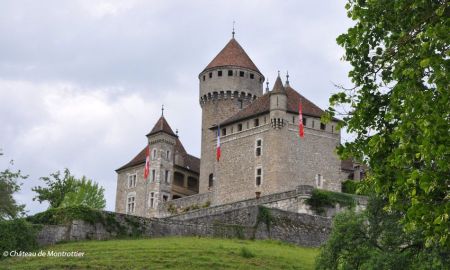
211, 180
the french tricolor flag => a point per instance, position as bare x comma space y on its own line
218, 152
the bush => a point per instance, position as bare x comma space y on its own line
17, 234
322, 198
246, 253
65, 215
349, 186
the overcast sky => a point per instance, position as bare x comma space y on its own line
82, 82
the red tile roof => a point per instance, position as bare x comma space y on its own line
232, 55
262, 105
190, 162
162, 126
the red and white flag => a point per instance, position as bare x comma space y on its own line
218, 152
301, 131
147, 163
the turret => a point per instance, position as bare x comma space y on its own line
278, 104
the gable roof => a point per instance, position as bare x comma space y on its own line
232, 55
162, 126
190, 162
262, 105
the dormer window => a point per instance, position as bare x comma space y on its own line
230, 73
241, 73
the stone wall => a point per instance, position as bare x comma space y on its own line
301, 229
198, 200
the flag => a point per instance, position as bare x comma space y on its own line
147, 163
300, 120
218, 152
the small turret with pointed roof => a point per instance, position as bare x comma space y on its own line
162, 126
278, 104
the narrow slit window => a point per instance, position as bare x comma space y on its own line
258, 177
258, 149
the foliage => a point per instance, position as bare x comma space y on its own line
65, 215
246, 253
68, 191
190, 253
374, 239
320, 199
17, 234
172, 209
9, 209
349, 186
86, 193
399, 107
264, 216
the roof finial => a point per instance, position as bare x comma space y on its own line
176, 131
162, 110
287, 78
232, 33
278, 73
267, 86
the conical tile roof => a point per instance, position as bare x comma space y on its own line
162, 126
232, 55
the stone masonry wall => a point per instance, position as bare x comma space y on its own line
295, 228
197, 200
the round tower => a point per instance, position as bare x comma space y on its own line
227, 85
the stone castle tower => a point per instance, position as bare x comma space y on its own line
227, 85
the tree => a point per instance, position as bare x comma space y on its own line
399, 107
86, 193
9, 209
68, 191
374, 239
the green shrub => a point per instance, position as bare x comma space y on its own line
207, 204
322, 198
349, 186
246, 253
65, 215
17, 234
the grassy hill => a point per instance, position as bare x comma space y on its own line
172, 253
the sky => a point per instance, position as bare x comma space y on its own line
83, 81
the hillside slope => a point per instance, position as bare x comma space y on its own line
172, 253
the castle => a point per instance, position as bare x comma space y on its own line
261, 151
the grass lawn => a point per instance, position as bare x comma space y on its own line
172, 253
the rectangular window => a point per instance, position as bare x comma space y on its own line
204, 77
240, 102
252, 76
165, 198
152, 199
166, 177
131, 180
304, 121
153, 175
219, 73
210, 75
241, 73
319, 180
322, 126
258, 177
168, 155
224, 132
130, 204
258, 148
256, 122
239, 127
154, 154
230, 73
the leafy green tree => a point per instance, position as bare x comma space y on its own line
70, 191
87, 193
375, 239
399, 107
9, 184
